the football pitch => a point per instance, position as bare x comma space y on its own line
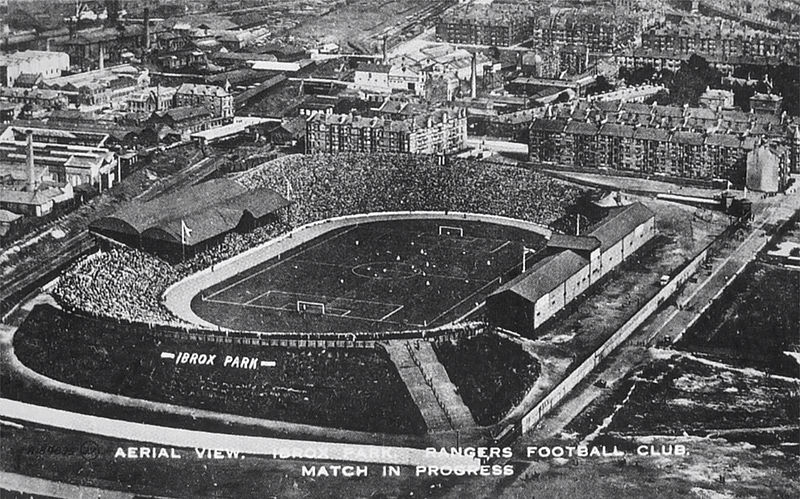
378, 276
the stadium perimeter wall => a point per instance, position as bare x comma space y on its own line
532, 418
177, 298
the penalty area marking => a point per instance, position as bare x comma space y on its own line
391, 313
279, 262
500, 247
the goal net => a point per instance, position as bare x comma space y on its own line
446, 230
311, 306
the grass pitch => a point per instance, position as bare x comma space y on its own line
379, 276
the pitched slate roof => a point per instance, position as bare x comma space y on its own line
621, 223
544, 276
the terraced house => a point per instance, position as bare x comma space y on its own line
679, 142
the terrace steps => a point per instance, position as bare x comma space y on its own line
446, 392
422, 393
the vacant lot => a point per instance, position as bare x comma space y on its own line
754, 322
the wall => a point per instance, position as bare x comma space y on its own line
576, 284
553, 398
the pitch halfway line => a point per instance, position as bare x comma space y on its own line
345, 315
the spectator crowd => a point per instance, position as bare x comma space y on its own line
128, 284
354, 389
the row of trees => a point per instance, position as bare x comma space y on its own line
695, 75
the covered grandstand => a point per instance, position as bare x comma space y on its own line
571, 264
192, 219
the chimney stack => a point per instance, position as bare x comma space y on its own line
147, 28
384, 49
102, 58
474, 76
29, 161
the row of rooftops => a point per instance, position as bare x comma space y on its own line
654, 114
493, 13
714, 29
712, 58
511, 13
712, 137
202, 90
406, 124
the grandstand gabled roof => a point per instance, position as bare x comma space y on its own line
209, 209
544, 276
621, 223
577, 243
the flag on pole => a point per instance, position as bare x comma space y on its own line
186, 232
525, 251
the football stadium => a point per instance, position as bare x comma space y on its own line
344, 298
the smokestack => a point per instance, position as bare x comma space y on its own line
384, 49
29, 160
147, 28
474, 76
102, 57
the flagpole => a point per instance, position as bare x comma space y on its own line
183, 241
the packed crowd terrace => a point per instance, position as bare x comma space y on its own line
354, 388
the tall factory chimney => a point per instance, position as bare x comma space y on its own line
102, 57
384, 49
473, 77
29, 161
147, 28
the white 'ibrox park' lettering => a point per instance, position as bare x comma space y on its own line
204, 359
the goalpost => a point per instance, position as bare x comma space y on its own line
310, 306
447, 230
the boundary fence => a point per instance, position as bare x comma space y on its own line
552, 399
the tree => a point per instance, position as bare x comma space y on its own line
691, 80
601, 85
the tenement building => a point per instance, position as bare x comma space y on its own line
500, 24
721, 40
598, 31
431, 133
216, 99
670, 141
